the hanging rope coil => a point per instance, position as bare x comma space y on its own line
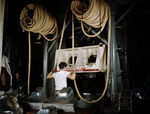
95, 14
36, 19
108, 51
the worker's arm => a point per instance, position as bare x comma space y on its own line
72, 76
49, 75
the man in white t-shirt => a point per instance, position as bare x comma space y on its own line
61, 76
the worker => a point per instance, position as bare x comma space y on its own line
61, 77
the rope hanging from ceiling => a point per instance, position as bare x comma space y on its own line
37, 19
95, 14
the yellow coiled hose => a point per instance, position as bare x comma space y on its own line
95, 14
35, 18
40, 21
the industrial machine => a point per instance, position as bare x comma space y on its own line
86, 40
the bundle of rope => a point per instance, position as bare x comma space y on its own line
92, 17
37, 19
95, 14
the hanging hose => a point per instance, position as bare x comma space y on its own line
73, 53
95, 14
108, 62
36, 19
29, 61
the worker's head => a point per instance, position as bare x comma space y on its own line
62, 65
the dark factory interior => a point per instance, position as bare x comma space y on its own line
123, 82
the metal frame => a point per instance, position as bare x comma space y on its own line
2, 10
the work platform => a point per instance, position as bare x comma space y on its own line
63, 101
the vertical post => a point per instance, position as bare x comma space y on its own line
115, 63
126, 84
45, 61
113, 55
2, 10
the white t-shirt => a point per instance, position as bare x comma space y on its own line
60, 79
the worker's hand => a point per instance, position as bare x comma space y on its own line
74, 76
49, 75
73, 71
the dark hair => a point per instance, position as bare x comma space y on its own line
62, 65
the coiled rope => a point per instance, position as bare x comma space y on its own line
95, 14
108, 56
36, 19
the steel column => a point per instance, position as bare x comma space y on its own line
2, 11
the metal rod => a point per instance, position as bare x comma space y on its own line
45, 61
125, 13
2, 10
